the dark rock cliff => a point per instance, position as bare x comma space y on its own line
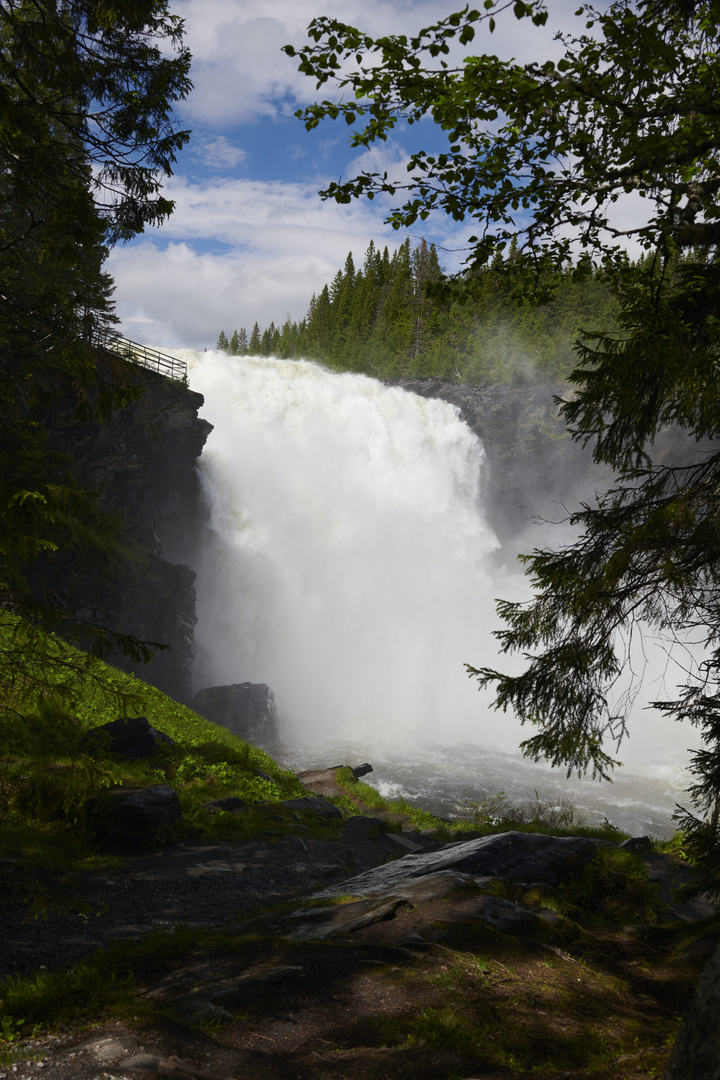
141, 462
533, 465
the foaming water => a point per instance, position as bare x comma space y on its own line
452, 781
348, 564
347, 559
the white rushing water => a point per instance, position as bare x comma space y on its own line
348, 564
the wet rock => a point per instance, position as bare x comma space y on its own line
133, 738
128, 817
361, 770
434, 886
360, 825
330, 922
425, 842
246, 709
230, 804
314, 804
399, 845
638, 845
511, 856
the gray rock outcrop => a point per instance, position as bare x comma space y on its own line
512, 856
128, 817
246, 709
141, 463
133, 737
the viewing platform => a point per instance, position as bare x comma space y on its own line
142, 355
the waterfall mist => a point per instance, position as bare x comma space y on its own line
347, 563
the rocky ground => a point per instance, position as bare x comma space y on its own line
447, 962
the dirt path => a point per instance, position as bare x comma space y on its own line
382, 990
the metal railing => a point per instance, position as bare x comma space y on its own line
141, 355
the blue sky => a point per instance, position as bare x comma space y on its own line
250, 239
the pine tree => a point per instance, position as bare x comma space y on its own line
425, 272
234, 347
267, 340
319, 326
255, 342
222, 343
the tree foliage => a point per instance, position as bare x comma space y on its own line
617, 141
541, 152
85, 84
394, 317
86, 136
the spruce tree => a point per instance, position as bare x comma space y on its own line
255, 342
222, 343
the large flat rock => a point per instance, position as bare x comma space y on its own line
512, 856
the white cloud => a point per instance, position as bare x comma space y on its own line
237, 249
241, 74
261, 215
283, 244
216, 152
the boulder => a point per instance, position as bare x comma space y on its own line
132, 737
638, 845
229, 803
399, 845
128, 817
361, 770
360, 825
511, 856
314, 804
340, 919
246, 709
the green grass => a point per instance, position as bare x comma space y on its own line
612, 889
48, 772
552, 816
104, 983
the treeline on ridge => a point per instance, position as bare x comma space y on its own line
397, 316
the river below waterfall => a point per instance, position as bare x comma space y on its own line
347, 562
455, 782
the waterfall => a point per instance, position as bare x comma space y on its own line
347, 563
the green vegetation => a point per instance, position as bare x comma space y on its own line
498, 813
48, 771
486, 996
104, 983
398, 317
596, 996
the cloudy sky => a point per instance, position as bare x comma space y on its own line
250, 239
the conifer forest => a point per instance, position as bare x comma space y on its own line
398, 316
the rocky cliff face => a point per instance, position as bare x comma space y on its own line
533, 465
142, 464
